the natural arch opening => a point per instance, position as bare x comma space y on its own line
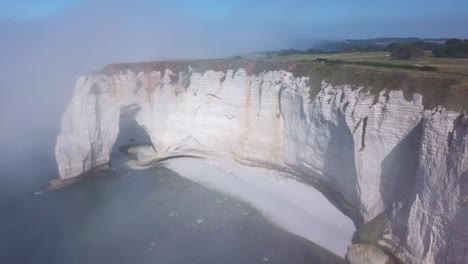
132, 140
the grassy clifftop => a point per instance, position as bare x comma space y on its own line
449, 90
438, 88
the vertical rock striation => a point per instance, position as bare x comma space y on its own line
371, 155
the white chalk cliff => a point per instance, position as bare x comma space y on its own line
373, 156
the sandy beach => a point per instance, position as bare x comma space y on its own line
292, 205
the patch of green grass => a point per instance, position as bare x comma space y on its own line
446, 65
382, 64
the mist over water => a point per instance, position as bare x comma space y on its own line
42, 57
150, 216
110, 220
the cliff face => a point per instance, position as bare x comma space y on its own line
371, 155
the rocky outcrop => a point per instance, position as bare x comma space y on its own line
366, 254
371, 155
144, 155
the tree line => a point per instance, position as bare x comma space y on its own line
452, 48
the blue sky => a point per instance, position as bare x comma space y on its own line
297, 15
124, 30
33, 9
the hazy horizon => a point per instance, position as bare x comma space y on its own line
49, 44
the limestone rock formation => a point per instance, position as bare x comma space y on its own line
366, 254
144, 155
372, 155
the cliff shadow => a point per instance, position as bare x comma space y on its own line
340, 163
399, 169
130, 133
398, 179
457, 248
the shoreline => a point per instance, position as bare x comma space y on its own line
291, 205
294, 206
97, 172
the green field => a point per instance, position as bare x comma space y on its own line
445, 65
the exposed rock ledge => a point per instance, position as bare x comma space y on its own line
383, 156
